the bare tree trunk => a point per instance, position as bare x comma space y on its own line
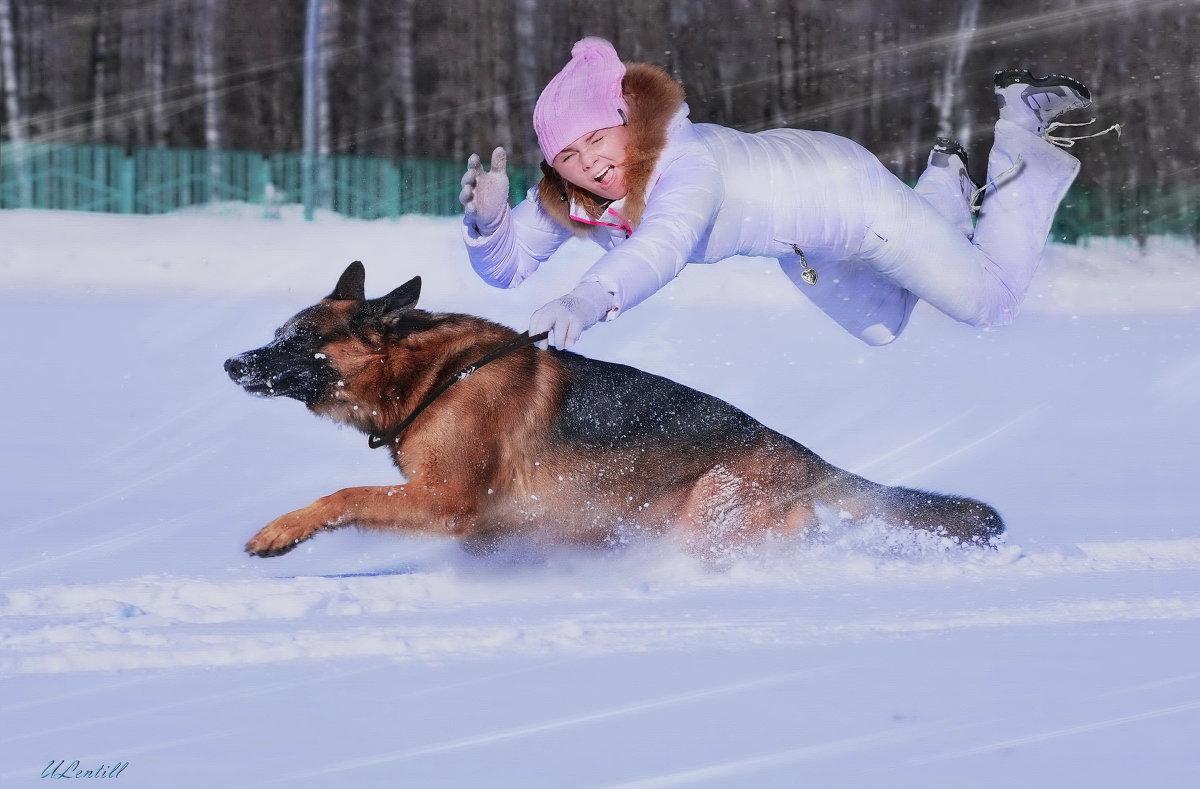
498, 43
180, 57
8, 61
12, 102
726, 75
99, 76
206, 77
464, 82
43, 116
946, 98
156, 75
327, 49
26, 31
525, 17
363, 80
786, 50
312, 76
328, 44
131, 121
405, 76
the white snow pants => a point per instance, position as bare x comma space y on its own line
921, 241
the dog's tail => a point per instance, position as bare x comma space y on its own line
966, 520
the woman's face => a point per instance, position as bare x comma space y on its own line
596, 162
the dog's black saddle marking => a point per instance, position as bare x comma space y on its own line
614, 406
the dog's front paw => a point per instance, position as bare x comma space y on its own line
280, 536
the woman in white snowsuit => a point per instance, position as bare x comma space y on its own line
628, 169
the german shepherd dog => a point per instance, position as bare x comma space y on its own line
547, 445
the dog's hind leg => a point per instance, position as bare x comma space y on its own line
729, 509
410, 507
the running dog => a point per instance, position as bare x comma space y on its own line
548, 445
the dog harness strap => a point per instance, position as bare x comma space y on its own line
522, 339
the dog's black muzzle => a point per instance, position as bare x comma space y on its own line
268, 372
238, 368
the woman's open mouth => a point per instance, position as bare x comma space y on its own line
604, 177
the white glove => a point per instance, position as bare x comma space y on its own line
484, 196
568, 317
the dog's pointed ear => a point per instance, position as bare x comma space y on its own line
351, 286
393, 306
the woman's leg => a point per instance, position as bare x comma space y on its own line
872, 307
981, 282
1028, 178
947, 185
913, 245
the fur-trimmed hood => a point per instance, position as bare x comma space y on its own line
654, 98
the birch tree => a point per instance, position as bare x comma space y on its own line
499, 55
156, 70
947, 96
99, 75
8, 61
330, 33
525, 31
403, 69
206, 78
12, 102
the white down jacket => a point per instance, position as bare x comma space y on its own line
700, 193
714, 193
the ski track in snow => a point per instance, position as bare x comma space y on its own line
156, 623
544, 726
741, 767
1053, 734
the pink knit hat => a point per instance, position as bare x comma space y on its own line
583, 97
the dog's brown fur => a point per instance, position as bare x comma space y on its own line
548, 445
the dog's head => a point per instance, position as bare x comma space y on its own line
314, 353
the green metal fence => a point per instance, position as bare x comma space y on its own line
1132, 212
161, 180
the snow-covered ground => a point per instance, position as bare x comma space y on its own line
134, 630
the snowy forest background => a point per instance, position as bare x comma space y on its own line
433, 79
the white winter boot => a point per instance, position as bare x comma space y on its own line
947, 184
1033, 103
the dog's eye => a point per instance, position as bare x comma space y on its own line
296, 335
